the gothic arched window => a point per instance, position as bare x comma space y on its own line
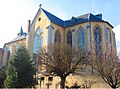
17, 46
38, 42
57, 37
113, 38
81, 38
69, 38
108, 37
35, 43
97, 39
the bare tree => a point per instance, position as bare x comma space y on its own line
87, 84
107, 66
62, 60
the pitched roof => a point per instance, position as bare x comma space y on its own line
17, 39
92, 17
74, 20
22, 35
82, 19
53, 18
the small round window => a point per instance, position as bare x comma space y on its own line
39, 19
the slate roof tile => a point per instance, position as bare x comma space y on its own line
70, 22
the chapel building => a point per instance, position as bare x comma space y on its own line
87, 31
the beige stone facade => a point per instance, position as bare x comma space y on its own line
1, 55
11, 47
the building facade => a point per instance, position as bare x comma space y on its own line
1, 55
10, 47
87, 31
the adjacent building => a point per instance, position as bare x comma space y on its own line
1, 55
10, 47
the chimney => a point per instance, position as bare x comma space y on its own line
29, 22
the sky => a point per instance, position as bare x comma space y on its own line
16, 13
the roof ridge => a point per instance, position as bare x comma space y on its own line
54, 18
66, 23
51, 14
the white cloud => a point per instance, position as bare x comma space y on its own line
117, 35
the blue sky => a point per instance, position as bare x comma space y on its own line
15, 13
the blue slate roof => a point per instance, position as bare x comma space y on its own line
75, 20
53, 18
94, 18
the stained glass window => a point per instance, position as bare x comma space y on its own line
38, 42
114, 41
107, 36
35, 43
69, 38
57, 37
97, 39
81, 38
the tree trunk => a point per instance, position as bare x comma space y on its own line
114, 87
62, 83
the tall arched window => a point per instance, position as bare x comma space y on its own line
108, 37
17, 46
38, 42
97, 39
69, 38
35, 43
57, 37
8, 55
113, 38
81, 38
